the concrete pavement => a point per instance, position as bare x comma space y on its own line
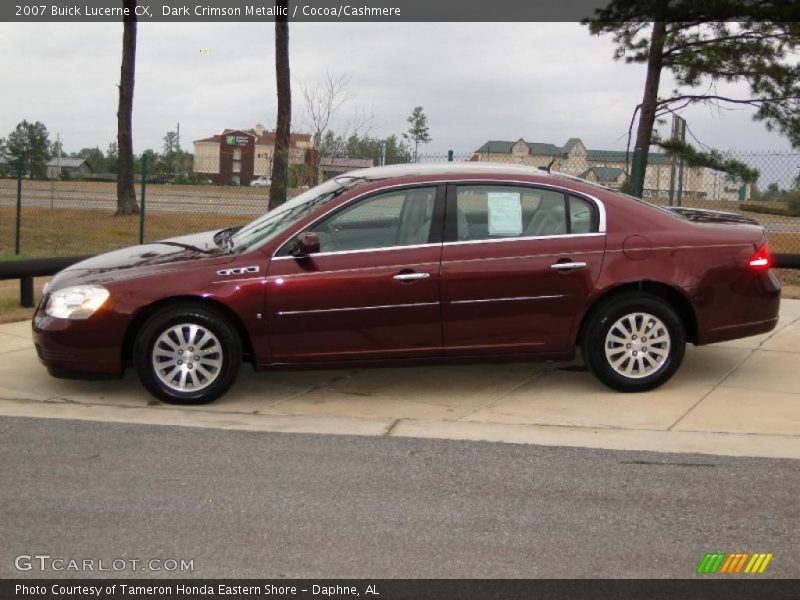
739, 398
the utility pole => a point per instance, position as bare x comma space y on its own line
178, 138
58, 171
678, 133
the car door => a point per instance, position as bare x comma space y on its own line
373, 288
518, 264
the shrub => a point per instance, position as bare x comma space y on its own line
791, 210
793, 203
300, 174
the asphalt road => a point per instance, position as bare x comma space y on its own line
250, 504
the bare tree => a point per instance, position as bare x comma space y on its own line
280, 159
126, 195
322, 101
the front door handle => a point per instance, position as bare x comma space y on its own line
568, 266
411, 276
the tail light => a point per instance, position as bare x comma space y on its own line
761, 260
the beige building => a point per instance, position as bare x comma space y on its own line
609, 168
237, 156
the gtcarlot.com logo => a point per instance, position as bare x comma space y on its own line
734, 563
45, 562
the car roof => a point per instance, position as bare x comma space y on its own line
445, 168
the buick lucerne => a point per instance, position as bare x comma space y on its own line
417, 263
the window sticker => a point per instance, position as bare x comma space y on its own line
505, 213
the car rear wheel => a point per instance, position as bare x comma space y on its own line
634, 343
188, 354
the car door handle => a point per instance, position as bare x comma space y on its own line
411, 276
568, 266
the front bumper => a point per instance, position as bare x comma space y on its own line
87, 349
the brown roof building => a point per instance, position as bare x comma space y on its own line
237, 156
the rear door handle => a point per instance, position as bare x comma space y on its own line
411, 276
568, 266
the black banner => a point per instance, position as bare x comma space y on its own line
389, 11
396, 589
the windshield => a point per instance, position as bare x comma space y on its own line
271, 224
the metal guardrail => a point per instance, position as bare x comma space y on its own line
786, 261
26, 270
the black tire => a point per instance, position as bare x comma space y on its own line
648, 370
220, 342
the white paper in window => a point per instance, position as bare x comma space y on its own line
505, 213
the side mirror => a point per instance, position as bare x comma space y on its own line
307, 243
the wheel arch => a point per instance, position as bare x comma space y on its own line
675, 297
144, 313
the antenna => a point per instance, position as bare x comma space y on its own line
547, 168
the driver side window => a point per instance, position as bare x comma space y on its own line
395, 218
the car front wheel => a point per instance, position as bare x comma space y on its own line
634, 343
188, 354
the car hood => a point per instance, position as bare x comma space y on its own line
701, 215
136, 261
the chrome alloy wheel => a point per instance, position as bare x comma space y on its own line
637, 345
187, 357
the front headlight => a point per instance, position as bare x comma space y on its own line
78, 302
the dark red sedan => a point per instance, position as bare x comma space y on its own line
422, 263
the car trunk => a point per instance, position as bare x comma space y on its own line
701, 215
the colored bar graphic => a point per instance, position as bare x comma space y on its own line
734, 563
758, 563
727, 564
711, 562
739, 562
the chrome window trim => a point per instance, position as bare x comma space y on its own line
601, 213
513, 299
362, 250
353, 308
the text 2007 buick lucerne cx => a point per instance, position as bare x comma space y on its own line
423, 263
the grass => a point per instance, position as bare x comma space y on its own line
68, 232
11, 311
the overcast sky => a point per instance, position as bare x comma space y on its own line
545, 82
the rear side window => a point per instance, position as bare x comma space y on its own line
582, 216
486, 212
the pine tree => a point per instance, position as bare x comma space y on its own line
689, 40
418, 132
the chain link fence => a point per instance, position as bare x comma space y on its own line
72, 212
